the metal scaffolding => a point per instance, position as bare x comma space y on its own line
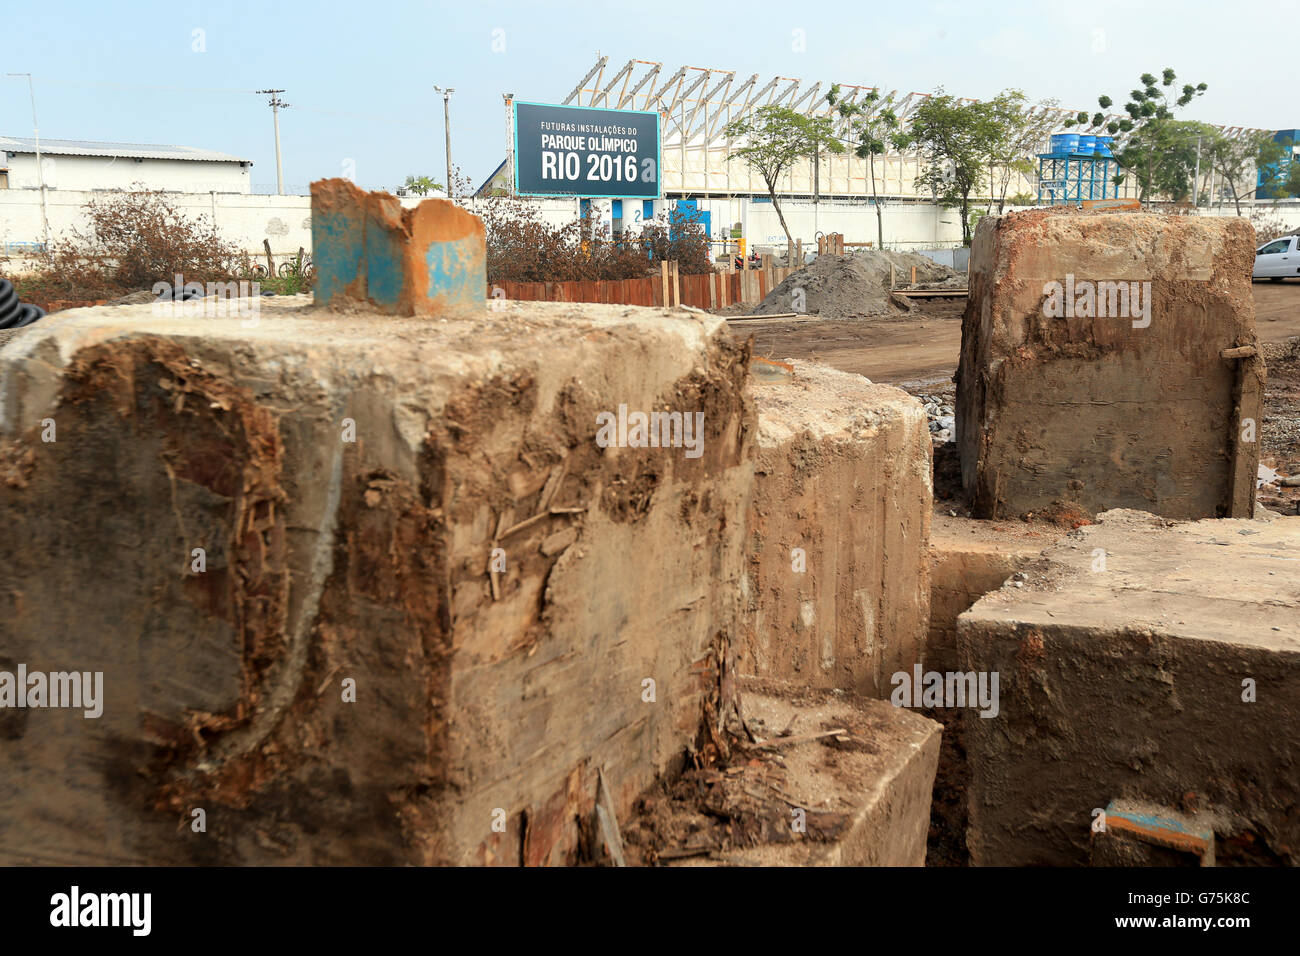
698, 103
1073, 177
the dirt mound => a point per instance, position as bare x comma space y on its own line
844, 287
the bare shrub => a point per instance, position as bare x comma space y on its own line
523, 247
132, 240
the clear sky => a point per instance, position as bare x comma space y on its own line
359, 75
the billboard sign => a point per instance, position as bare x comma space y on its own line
582, 151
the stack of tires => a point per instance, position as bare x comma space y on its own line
15, 314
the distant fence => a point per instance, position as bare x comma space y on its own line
714, 290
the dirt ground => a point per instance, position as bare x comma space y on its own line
924, 344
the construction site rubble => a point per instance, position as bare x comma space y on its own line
855, 285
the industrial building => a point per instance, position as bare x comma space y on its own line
82, 164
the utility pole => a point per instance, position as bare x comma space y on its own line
40, 166
510, 144
446, 125
276, 105
1196, 181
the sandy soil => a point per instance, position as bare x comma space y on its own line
924, 345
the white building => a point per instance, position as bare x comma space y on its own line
82, 165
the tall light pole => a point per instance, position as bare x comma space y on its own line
276, 105
446, 124
40, 167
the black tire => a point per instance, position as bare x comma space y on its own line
286, 269
27, 314
1275, 278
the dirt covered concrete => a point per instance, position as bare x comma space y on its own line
1141, 660
1092, 373
823, 778
836, 593
362, 589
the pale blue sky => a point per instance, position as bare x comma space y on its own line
359, 76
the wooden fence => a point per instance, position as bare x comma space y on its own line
714, 290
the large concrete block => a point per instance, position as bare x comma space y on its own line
1145, 663
837, 591
350, 480
1092, 373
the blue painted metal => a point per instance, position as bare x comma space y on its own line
1076, 177
457, 272
337, 246
1268, 172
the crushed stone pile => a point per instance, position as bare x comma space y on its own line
849, 286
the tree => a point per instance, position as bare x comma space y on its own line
777, 137
1155, 149
1239, 160
876, 132
1020, 128
954, 141
421, 185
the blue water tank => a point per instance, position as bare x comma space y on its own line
1104, 144
1087, 145
1064, 143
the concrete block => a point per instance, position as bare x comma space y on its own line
1092, 373
371, 253
356, 674
876, 782
969, 558
837, 592
1151, 662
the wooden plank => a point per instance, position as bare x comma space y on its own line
663, 276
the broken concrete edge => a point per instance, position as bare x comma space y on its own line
884, 784
367, 250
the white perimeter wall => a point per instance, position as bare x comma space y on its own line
246, 220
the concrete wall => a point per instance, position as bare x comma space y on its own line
109, 172
285, 220
244, 219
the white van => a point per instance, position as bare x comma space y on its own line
1278, 259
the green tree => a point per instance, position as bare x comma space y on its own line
775, 138
421, 185
1020, 127
876, 132
954, 142
1156, 146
